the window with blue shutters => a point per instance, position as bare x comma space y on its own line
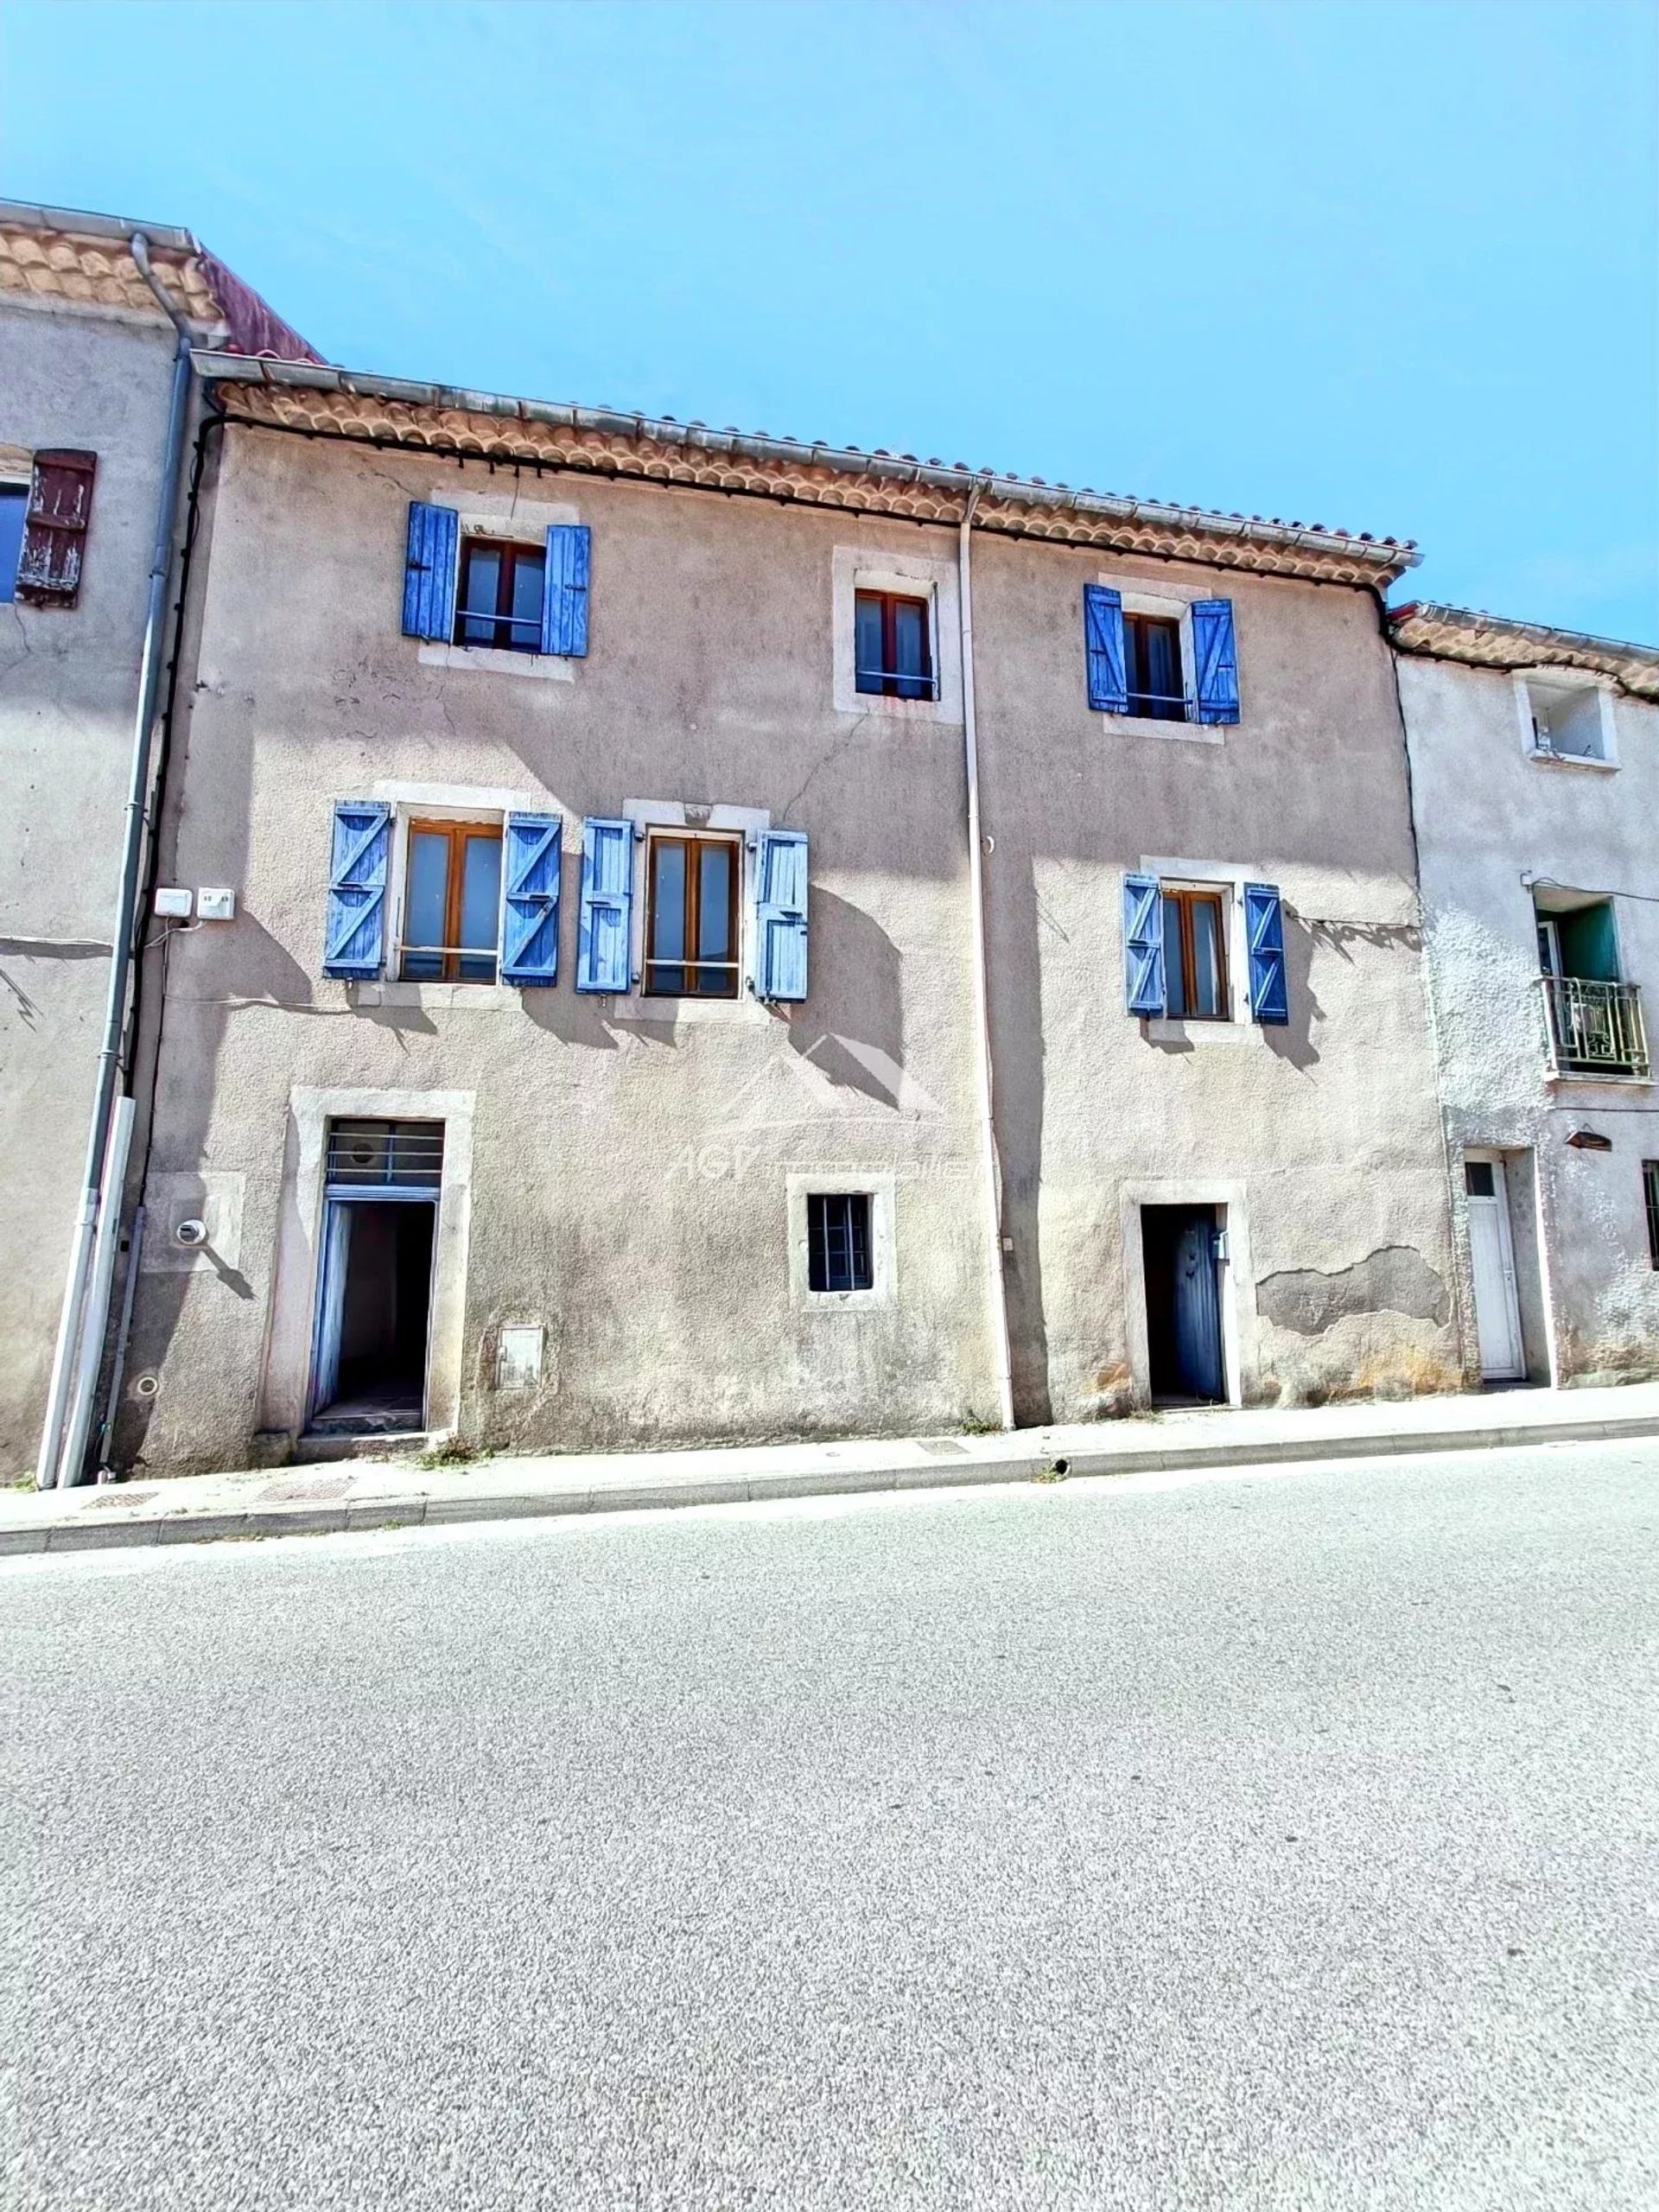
354, 943
605, 925
1157, 659
780, 918
564, 589
1143, 945
1264, 936
530, 900
429, 571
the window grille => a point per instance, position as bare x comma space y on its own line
838, 1241
385, 1155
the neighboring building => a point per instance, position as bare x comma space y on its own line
593, 1058
86, 369
1535, 758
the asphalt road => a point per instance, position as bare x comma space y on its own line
1282, 1840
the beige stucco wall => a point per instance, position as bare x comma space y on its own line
1490, 817
630, 1178
68, 679
1320, 1137
629, 1175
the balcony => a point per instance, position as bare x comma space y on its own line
1594, 1028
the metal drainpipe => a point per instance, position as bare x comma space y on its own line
81, 1321
990, 1173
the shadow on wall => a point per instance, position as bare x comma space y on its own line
1294, 1040
853, 1028
1016, 1002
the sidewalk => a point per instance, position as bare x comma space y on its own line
396, 1493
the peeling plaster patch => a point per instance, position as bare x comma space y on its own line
1396, 1279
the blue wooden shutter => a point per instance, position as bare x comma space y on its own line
429, 572
1103, 638
1217, 654
1143, 945
354, 943
564, 590
1264, 935
780, 915
529, 899
604, 929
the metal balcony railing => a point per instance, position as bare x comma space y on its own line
1594, 1028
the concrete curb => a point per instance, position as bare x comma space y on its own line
176, 1527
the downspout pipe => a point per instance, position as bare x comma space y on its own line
990, 1174
82, 1318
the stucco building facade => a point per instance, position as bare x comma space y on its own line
592, 1056
85, 372
1534, 757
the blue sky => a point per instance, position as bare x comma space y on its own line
1389, 267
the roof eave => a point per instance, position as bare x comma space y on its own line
30, 216
1376, 561
1490, 641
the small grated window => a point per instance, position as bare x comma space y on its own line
838, 1241
385, 1155
1650, 1192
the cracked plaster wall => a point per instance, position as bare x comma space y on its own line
1321, 1137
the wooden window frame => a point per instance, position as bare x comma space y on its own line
1141, 703
1184, 901
889, 678
457, 834
505, 638
730, 971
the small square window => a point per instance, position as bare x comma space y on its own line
499, 601
839, 1254
692, 917
1151, 667
14, 508
1566, 720
893, 646
451, 902
1478, 1180
1195, 956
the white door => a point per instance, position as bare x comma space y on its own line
1497, 1314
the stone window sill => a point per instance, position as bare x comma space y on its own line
674, 1013
1178, 732
1572, 761
489, 661
475, 998
1176, 1030
1602, 1081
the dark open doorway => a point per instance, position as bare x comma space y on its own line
1181, 1248
374, 1304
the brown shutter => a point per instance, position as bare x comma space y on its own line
59, 508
